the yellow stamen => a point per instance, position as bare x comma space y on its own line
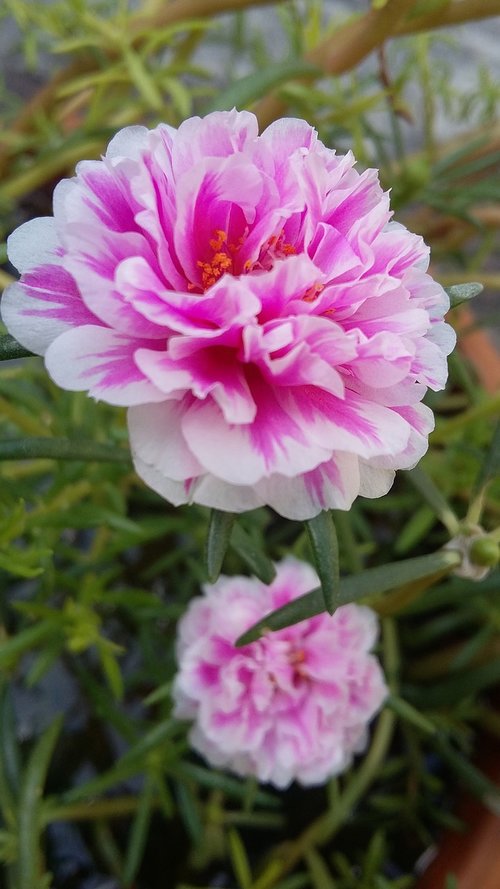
216, 243
312, 292
297, 657
212, 271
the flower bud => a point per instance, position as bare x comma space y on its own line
480, 553
485, 551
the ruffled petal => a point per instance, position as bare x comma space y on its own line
101, 362
353, 425
157, 441
332, 485
208, 372
44, 304
242, 455
33, 244
214, 197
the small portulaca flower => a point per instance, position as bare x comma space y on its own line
247, 297
296, 704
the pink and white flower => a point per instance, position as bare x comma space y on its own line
247, 297
296, 704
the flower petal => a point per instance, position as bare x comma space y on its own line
33, 244
100, 361
128, 142
353, 425
44, 304
332, 485
244, 454
215, 196
156, 439
175, 492
213, 371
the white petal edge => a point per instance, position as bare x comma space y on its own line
444, 336
61, 192
211, 491
32, 244
206, 491
173, 492
156, 440
374, 482
293, 499
35, 333
128, 142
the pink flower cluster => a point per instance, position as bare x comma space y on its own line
293, 705
247, 297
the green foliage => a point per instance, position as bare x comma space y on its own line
325, 549
219, 532
250, 88
369, 584
95, 570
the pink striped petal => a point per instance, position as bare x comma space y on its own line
208, 372
333, 484
354, 425
244, 454
44, 304
100, 361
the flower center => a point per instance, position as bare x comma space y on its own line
313, 291
274, 248
296, 660
286, 654
221, 262
224, 252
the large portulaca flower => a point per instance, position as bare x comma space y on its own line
247, 298
296, 704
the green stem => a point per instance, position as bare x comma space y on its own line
326, 826
427, 87
370, 583
219, 533
325, 548
348, 543
273, 820
138, 834
345, 49
15, 646
391, 652
29, 824
432, 494
448, 427
118, 807
460, 371
10, 348
476, 507
107, 849
182, 10
60, 449
452, 14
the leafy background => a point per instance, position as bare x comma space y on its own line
98, 787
